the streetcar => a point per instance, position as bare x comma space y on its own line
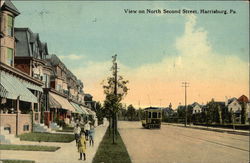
151, 117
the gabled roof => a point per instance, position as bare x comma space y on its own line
243, 98
8, 5
231, 100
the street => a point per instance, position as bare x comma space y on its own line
172, 144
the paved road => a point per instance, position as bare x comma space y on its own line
172, 144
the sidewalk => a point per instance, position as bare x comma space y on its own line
216, 129
66, 154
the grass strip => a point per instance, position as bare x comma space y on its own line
112, 153
17, 161
28, 147
47, 137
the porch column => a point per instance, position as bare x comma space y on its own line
39, 111
33, 115
17, 115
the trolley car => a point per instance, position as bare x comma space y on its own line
151, 117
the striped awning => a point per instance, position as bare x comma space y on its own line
63, 102
53, 103
77, 108
11, 87
84, 109
32, 86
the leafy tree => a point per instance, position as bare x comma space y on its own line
115, 89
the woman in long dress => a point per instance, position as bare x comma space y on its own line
82, 146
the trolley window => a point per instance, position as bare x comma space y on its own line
154, 114
159, 115
149, 114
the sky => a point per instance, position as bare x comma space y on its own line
156, 52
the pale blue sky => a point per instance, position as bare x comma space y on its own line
70, 28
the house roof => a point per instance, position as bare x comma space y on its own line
231, 100
8, 5
25, 37
243, 98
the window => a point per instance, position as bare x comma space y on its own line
10, 56
26, 127
10, 22
154, 114
159, 115
149, 114
7, 128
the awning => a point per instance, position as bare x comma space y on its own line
11, 87
32, 86
84, 109
53, 103
63, 102
77, 108
91, 112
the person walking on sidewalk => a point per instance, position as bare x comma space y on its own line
77, 131
91, 135
86, 130
82, 146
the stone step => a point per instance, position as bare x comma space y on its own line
9, 139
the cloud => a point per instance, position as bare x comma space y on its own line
71, 57
211, 75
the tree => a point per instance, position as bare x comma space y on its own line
115, 89
131, 112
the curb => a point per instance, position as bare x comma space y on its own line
213, 129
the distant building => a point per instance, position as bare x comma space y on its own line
197, 108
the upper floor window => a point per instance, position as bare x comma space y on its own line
10, 56
10, 25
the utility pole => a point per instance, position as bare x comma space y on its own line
115, 93
185, 85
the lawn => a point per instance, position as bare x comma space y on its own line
28, 147
17, 161
47, 137
112, 153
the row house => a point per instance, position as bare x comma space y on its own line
35, 87
30, 58
20, 93
64, 101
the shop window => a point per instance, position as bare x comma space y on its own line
10, 56
26, 127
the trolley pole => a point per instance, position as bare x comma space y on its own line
185, 85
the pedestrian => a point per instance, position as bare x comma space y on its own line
77, 131
91, 135
86, 130
82, 146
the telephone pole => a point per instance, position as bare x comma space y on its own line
115, 93
185, 85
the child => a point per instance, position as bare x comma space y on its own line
91, 135
82, 146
